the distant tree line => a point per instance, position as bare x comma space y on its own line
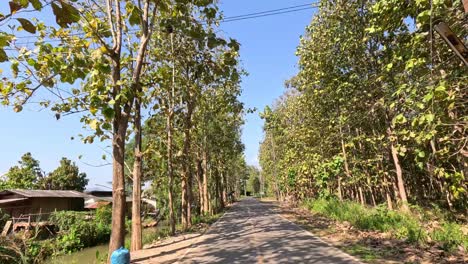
28, 175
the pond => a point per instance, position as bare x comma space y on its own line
90, 255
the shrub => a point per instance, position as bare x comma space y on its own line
450, 235
400, 225
79, 229
4, 217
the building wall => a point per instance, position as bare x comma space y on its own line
17, 208
44, 206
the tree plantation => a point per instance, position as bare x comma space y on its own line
124, 64
371, 130
377, 113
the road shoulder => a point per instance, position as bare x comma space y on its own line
369, 246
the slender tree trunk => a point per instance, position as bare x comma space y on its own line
340, 194
206, 200
136, 243
371, 191
189, 197
184, 203
170, 171
187, 174
399, 174
200, 183
223, 194
218, 191
170, 163
361, 195
345, 156
275, 176
389, 198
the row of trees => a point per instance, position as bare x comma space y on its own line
153, 71
377, 112
29, 175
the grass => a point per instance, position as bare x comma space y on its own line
363, 252
410, 227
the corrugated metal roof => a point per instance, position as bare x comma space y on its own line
109, 199
97, 205
46, 193
6, 201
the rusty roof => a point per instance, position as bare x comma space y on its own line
45, 193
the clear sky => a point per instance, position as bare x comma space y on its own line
267, 53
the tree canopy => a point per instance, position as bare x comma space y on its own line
377, 112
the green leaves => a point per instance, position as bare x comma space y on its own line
27, 25
65, 13
367, 86
3, 55
36, 4
135, 16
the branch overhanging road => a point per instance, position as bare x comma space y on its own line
253, 232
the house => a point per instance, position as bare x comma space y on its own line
24, 202
99, 198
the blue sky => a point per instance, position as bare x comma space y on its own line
267, 53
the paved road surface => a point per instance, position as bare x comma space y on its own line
253, 232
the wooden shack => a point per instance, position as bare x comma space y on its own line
27, 202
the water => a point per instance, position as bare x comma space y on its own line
85, 256
89, 255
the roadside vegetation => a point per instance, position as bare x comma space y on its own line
418, 227
155, 80
372, 131
78, 230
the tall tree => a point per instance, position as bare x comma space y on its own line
26, 175
66, 177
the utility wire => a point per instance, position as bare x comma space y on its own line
271, 12
267, 14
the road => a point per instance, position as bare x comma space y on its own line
254, 232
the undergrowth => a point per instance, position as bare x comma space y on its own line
412, 227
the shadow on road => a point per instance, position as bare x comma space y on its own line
253, 232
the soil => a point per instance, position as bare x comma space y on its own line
369, 246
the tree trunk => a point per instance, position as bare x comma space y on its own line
345, 157
206, 200
120, 125
218, 191
340, 194
200, 184
399, 174
170, 163
277, 191
184, 187
118, 184
136, 243
389, 198
187, 170
189, 197
361, 195
223, 194
371, 191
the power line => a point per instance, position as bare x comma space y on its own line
267, 14
271, 12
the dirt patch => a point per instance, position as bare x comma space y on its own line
369, 246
